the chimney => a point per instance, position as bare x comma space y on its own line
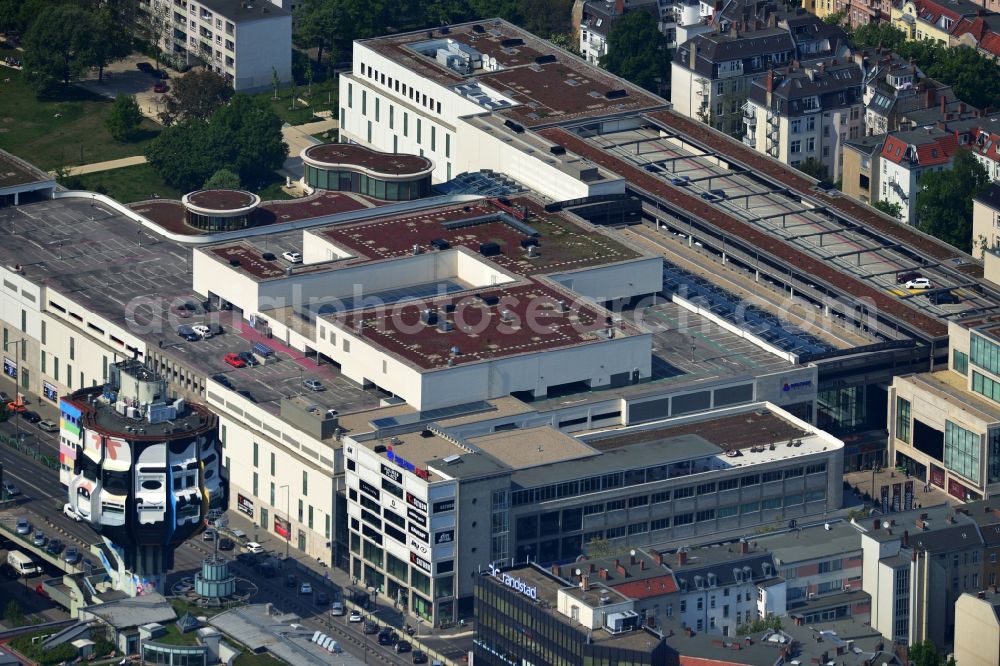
961, 107
769, 82
593, 567
921, 524
682, 558
875, 524
657, 557
555, 570
604, 573
944, 104
585, 583
642, 565
620, 568
906, 538
744, 547
929, 97
631, 558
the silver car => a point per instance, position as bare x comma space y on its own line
313, 384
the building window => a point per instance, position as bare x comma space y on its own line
272, 462
255, 489
256, 453
305, 483
961, 451
960, 361
796, 147
903, 420
377, 109
301, 510
272, 494
796, 126
350, 96
447, 145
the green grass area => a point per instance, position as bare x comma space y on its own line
323, 98
175, 637
34, 652
252, 659
63, 129
181, 607
272, 190
128, 184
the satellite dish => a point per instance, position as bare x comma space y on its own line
632, 552
577, 572
885, 524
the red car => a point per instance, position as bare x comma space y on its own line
235, 360
160, 87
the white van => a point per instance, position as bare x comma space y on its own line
22, 564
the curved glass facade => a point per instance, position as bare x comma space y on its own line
219, 222
351, 181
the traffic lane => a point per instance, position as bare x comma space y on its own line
35, 480
46, 443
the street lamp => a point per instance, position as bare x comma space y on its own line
288, 517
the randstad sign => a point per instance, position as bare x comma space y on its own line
514, 583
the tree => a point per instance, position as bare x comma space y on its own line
836, 18
13, 613
812, 167
125, 118
196, 96
889, 208
545, 17
443, 12
944, 200
183, 155
154, 24
505, 9
565, 40
223, 179
873, 35
111, 43
925, 654
637, 51
59, 45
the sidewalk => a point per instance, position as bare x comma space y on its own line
104, 166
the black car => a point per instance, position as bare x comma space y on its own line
249, 358
403, 646
247, 559
322, 599
291, 581
222, 379
903, 278
370, 628
944, 297
387, 637
54, 547
31, 417
188, 333
419, 657
225, 543
144, 67
267, 570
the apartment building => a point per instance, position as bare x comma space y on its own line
247, 41
822, 568
806, 112
711, 74
916, 565
860, 168
906, 156
895, 90
931, 19
594, 19
986, 218
856, 12
981, 32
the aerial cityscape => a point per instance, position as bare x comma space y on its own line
500, 332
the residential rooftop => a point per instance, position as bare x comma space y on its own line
833, 539
546, 84
242, 11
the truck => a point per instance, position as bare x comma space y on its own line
22, 564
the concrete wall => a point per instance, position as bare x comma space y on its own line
985, 226
263, 47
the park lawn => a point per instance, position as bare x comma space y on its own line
30, 129
128, 184
324, 98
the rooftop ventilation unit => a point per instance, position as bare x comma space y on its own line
452, 459
445, 326
478, 29
429, 317
510, 124
512, 42
440, 244
234, 262
616, 94
557, 150
489, 249
545, 59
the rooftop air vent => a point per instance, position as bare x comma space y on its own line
447, 308
557, 150
445, 326
452, 459
440, 244
478, 29
544, 59
489, 249
234, 262
380, 448
510, 124
512, 42
616, 94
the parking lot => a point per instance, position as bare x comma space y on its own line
852, 249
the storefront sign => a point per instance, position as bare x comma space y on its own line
445, 505
444, 537
514, 583
897, 496
416, 516
282, 527
420, 562
418, 532
244, 504
796, 386
937, 476
50, 392
416, 545
908, 495
392, 474
416, 502
369, 489
9, 367
956, 489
